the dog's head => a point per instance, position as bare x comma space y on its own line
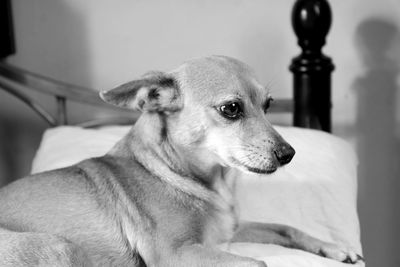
215, 110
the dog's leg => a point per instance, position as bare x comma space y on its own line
37, 249
199, 255
293, 238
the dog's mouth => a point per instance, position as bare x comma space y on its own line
268, 170
260, 171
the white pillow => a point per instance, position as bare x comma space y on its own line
316, 192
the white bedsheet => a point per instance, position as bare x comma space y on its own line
316, 192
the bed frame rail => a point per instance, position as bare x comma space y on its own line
17, 81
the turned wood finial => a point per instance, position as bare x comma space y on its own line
311, 21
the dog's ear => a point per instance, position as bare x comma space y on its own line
156, 91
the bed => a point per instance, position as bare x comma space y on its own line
316, 193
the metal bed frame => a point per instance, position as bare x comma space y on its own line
311, 103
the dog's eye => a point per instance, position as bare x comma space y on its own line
231, 110
268, 104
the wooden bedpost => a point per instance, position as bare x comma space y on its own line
311, 20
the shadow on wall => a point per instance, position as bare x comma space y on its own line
379, 144
20, 129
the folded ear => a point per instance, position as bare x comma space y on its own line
156, 91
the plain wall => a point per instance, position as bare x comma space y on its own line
100, 44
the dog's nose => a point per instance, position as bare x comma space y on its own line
284, 153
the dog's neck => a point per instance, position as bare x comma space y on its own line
148, 143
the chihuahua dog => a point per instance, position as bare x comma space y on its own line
163, 195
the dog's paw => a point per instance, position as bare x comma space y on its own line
343, 254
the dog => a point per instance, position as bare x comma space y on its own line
163, 195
